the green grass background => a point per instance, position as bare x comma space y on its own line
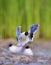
25, 12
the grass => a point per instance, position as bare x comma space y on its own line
25, 12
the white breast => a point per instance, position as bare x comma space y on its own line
15, 49
28, 52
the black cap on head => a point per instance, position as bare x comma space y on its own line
10, 45
27, 47
26, 33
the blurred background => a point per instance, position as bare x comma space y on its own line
25, 13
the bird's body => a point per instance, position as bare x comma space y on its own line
15, 49
28, 51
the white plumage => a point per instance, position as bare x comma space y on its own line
15, 49
28, 51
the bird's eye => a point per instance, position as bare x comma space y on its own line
26, 33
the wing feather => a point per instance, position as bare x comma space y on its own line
18, 31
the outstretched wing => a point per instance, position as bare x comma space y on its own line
33, 28
18, 31
25, 39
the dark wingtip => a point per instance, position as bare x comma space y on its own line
34, 27
16, 38
31, 35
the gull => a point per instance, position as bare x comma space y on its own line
27, 36
23, 38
